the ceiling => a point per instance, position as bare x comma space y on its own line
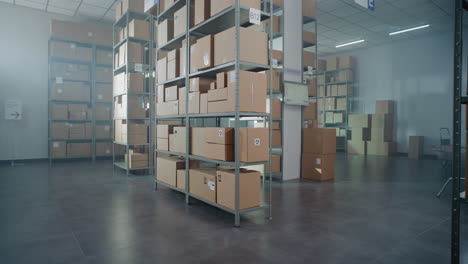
340, 21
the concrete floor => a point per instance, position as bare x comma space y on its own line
378, 210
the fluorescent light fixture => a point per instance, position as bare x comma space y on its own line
350, 43
409, 29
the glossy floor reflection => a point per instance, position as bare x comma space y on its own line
378, 210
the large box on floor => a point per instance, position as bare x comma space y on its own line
382, 121
253, 46
203, 183
318, 167
249, 189
416, 147
166, 169
384, 107
381, 148
359, 120
319, 140
357, 147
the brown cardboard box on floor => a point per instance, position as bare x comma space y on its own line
382, 121
361, 134
59, 111
252, 94
219, 5
381, 148
202, 11
254, 144
103, 131
253, 46
78, 150
103, 149
357, 147
249, 189
359, 120
165, 31
319, 141
166, 169
318, 167
416, 147
58, 149
219, 135
168, 108
181, 179
384, 107
203, 183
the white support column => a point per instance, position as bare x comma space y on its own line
292, 115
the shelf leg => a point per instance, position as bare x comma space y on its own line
237, 219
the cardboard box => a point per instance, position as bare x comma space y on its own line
309, 59
252, 94
78, 112
201, 85
172, 69
382, 121
329, 118
139, 29
310, 112
179, 144
253, 46
163, 131
277, 84
254, 144
204, 103
59, 111
162, 144
181, 179
78, 150
194, 103
249, 189
384, 107
212, 85
318, 167
137, 132
381, 148
130, 106
133, 5
276, 104
135, 53
86, 33
276, 163
359, 120
160, 94
330, 103
322, 65
347, 62
136, 160
133, 82
416, 147
162, 70
103, 112
310, 37
166, 169
221, 94
71, 91
338, 118
332, 64
219, 152
104, 93
319, 141
221, 80
312, 87
203, 183
58, 149
103, 149
277, 55
165, 31
219, 5
360, 134
182, 104
70, 71
309, 8
343, 90
202, 11
168, 108
276, 27
357, 147
76, 131
171, 93
219, 135
151, 6
70, 51
382, 134
197, 141
180, 20
204, 57
103, 131
276, 139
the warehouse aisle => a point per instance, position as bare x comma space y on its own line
377, 211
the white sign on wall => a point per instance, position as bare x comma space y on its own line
13, 109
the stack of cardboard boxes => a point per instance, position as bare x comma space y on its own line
360, 125
318, 157
416, 147
381, 142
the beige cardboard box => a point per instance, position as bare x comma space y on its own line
347, 62
133, 5
168, 108
130, 106
201, 85
384, 107
135, 53
104, 56
103, 112
198, 141
309, 8
165, 31
332, 64
203, 183
194, 103
78, 111
253, 46
338, 118
81, 32
221, 80
381, 148
219, 135
182, 104
181, 179
202, 11
254, 144
162, 144
330, 103
277, 84
276, 106
160, 94
310, 112
58, 149
220, 94
71, 91
103, 131
357, 147
76, 131
219, 151
276, 24
163, 131
103, 149
276, 139
319, 141
249, 189
382, 121
204, 57
329, 118
166, 169
277, 56
361, 134
252, 94
70, 51
136, 160
343, 90
382, 134
135, 81
139, 29
310, 37
137, 132
219, 5
204, 103
171, 93
173, 69
88, 131
104, 93
78, 150
162, 70
309, 59
180, 20
416, 147
359, 120
276, 163
70, 71
318, 167
212, 85
179, 143
59, 111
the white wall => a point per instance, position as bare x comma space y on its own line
417, 74
23, 75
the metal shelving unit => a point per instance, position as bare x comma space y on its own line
147, 68
91, 103
236, 15
341, 142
